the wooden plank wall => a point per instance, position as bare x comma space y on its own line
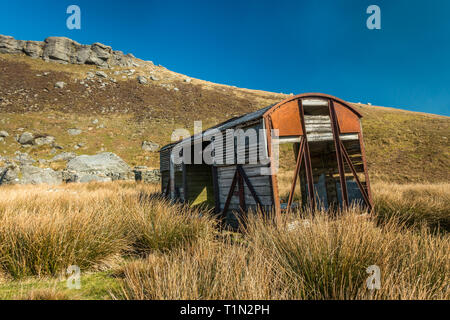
261, 184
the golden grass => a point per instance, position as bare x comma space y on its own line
43, 294
45, 229
319, 258
414, 203
159, 250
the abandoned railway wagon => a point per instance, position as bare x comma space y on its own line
245, 163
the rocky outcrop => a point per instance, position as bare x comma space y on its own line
104, 166
65, 50
28, 138
35, 175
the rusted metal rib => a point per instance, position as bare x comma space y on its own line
340, 161
307, 155
301, 151
352, 168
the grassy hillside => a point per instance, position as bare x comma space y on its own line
401, 146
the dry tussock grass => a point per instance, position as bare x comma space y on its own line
313, 258
414, 203
178, 253
44, 229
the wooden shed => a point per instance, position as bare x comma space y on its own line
328, 166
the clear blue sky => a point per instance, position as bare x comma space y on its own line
280, 46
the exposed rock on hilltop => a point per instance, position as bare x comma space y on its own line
65, 50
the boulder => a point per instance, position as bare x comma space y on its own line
4, 134
34, 49
101, 165
150, 146
9, 174
60, 49
74, 131
35, 175
26, 138
101, 74
142, 80
10, 45
45, 140
60, 84
24, 158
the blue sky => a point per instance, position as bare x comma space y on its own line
281, 46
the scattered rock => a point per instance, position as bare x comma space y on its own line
23, 158
26, 138
150, 146
101, 74
60, 84
46, 140
142, 80
95, 121
74, 131
187, 80
4, 134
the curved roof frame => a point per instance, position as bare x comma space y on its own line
311, 95
264, 113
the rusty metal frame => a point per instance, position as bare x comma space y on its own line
355, 174
307, 155
340, 161
298, 166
